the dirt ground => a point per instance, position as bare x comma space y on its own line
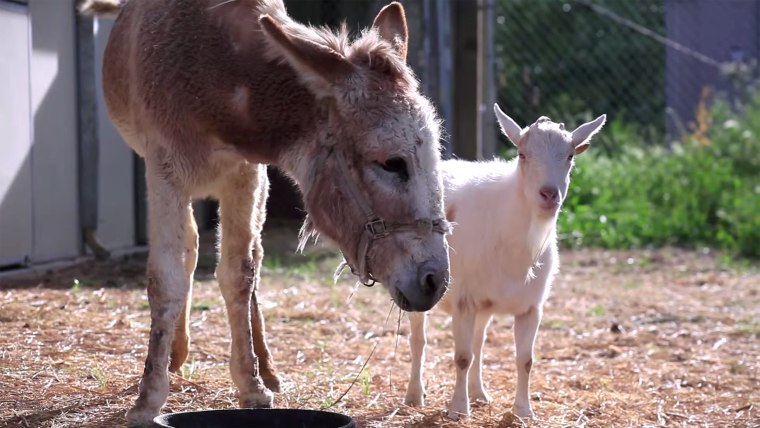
629, 339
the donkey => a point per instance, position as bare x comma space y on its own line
503, 252
208, 92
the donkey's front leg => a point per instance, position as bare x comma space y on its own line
181, 344
169, 208
236, 274
526, 328
260, 347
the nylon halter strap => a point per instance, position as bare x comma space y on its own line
375, 227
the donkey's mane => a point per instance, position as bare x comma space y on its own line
368, 49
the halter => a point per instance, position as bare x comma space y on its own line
375, 227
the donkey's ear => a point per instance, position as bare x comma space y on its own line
391, 24
509, 127
581, 137
318, 66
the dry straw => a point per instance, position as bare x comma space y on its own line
629, 339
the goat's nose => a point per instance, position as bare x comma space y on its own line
549, 193
431, 281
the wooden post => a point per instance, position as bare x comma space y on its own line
465, 108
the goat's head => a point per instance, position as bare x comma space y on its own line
377, 157
546, 154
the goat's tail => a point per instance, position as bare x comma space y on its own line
100, 7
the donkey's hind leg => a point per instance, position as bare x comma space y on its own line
169, 209
266, 365
181, 344
236, 275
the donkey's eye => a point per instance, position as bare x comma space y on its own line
396, 166
570, 157
521, 156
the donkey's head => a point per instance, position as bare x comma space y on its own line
374, 185
546, 154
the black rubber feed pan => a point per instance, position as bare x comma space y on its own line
255, 418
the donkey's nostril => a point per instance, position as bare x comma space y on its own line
431, 282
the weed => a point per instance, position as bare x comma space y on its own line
100, 376
366, 382
200, 306
597, 311
748, 327
188, 370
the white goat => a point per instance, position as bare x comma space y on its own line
503, 251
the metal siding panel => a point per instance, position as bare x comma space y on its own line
15, 137
54, 149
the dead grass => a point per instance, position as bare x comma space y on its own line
648, 338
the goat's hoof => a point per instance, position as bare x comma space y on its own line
480, 397
456, 414
272, 383
138, 417
257, 400
523, 411
414, 400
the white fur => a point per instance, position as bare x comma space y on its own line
503, 254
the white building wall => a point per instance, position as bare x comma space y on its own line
15, 137
54, 130
116, 196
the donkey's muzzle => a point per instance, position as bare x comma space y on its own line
422, 293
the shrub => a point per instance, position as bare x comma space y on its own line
701, 191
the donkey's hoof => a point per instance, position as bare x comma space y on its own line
272, 383
257, 400
138, 417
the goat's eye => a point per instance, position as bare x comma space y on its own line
570, 157
521, 156
396, 166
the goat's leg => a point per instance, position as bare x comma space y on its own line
415, 391
235, 274
526, 328
181, 344
169, 208
475, 385
463, 324
260, 347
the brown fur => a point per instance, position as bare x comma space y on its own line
207, 91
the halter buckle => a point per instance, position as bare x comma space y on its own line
377, 228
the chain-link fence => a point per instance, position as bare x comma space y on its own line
643, 62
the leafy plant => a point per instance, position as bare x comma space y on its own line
704, 190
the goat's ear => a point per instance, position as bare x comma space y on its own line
509, 127
391, 25
318, 66
581, 137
